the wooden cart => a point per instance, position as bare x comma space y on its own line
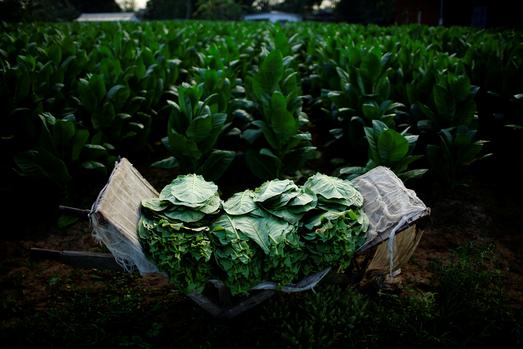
114, 218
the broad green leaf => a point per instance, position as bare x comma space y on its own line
392, 146
93, 165
268, 133
180, 146
288, 216
332, 188
43, 164
200, 128
189, 189
94, 151
271, 71
445, 103
155, 204
218, 125
97, 87
212, 206
306, 197
79, 140
216, 163
184, 215
408, 175
262, 166
240, 203
371, 66
274, 188
63, 132
371, 111
167, 163
118, 95
282, 121
256, 229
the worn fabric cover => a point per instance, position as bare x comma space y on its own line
390, 206
114, 217
115, 213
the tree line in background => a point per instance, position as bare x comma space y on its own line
380, 11
52, 10
480, 13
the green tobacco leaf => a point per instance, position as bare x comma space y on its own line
274, 188
256, 229
445, 104
93, 165
352, 172
43, 164
55, 54
271, 71
97, 87
460, 88
371, 66
79, 140
305, 198
63, 132
334, 189
240, 203
191, 190
392, 146
282, 121
218, 125
251, 135
167, 163
155, 204
371, 111
180, 146
316, 220
268, 133
212, 206
216, 163
118, 94
200, 128
86, 96
262, 166
94, 151
408, 175
184, 215
288, 216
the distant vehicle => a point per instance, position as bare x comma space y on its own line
108, 17
273, 17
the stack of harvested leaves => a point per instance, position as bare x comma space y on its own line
174, 230
336, 228
278, 232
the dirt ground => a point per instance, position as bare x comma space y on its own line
36, 295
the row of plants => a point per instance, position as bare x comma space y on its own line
200, 96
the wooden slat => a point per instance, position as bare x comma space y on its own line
80, 259
206, 304
79, 212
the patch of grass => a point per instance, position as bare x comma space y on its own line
472, 307
465, 308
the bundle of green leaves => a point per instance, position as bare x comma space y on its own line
174, 230
336, 228
277, 232
258, 235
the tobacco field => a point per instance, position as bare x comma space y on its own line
241, 104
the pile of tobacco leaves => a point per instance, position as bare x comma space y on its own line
278, 232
